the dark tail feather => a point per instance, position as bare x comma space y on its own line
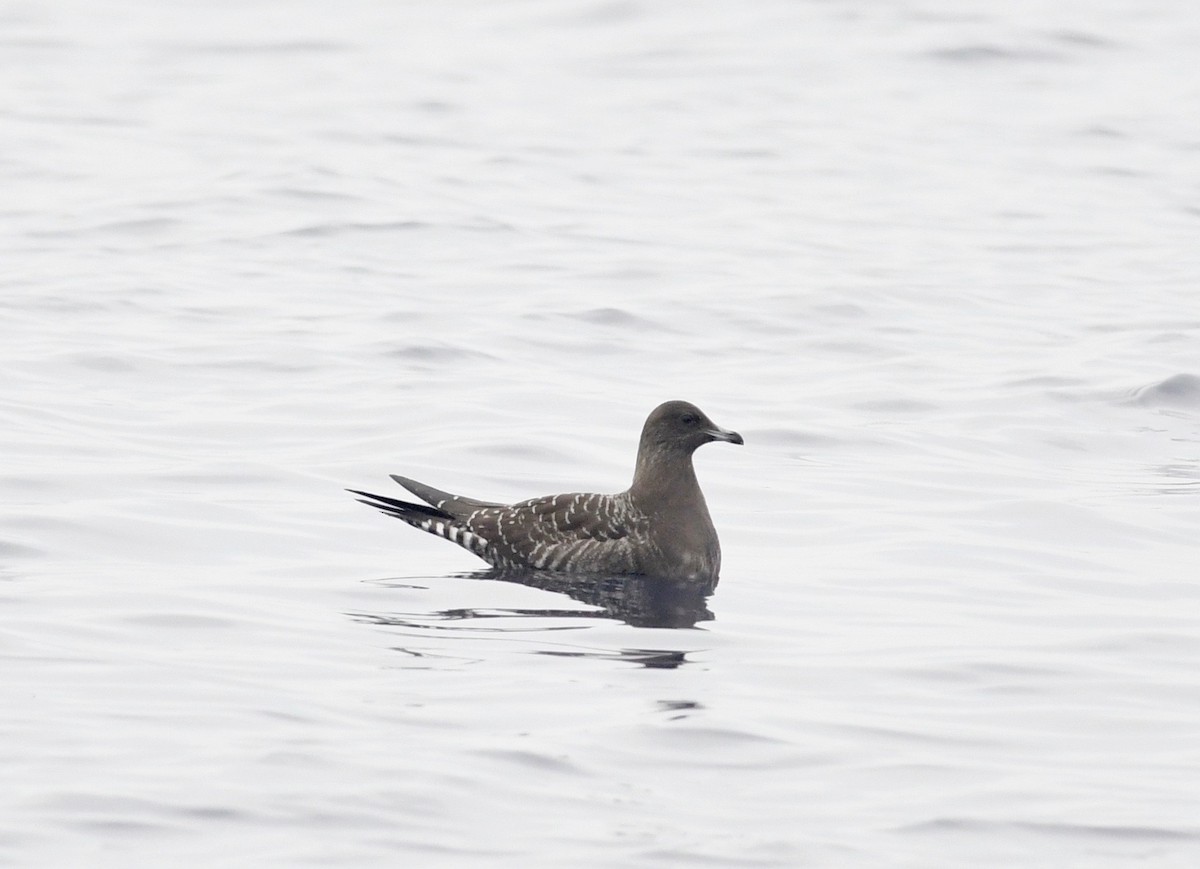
401, 509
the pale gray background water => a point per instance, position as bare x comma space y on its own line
938, 261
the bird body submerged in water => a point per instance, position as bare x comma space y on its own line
658, 527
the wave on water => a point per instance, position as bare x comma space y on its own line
1177, 392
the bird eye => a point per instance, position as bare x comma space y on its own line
689, 419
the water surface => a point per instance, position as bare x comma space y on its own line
936, 262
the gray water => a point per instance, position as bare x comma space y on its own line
937, 261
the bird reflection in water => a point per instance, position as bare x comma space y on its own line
639, 601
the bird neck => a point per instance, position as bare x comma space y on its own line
665, 478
